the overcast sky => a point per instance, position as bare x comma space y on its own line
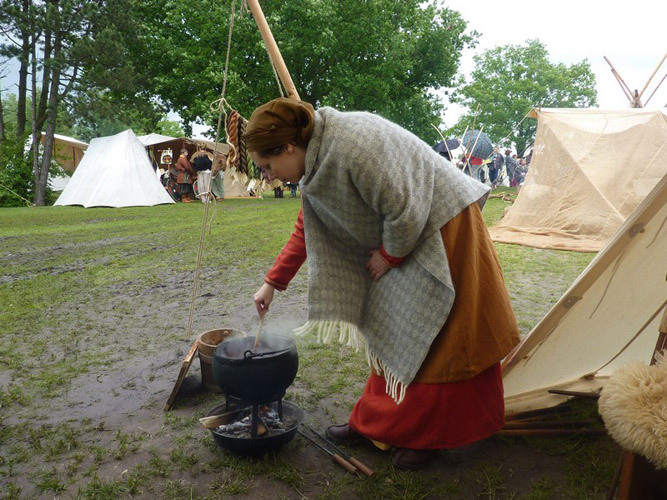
632, 34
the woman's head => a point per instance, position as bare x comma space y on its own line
278, 122
277, 135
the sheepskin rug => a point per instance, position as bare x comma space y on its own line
633, 405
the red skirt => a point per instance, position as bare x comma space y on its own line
432, 416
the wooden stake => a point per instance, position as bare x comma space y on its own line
272, 49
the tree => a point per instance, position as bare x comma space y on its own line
384, 56
509, 81
77, 46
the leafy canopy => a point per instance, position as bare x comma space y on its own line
509, 81
384, 56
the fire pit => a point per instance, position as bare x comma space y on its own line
254, 417
239, 430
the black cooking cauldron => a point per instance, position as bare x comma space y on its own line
259, 374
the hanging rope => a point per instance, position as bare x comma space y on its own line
275, 73
220, 105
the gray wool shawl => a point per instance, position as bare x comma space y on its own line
369, 182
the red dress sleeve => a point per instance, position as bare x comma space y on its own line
389, 260
290, 259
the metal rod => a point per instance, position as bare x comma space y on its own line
354, 461
337, 458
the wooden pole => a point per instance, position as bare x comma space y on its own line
653, 74
656, 89
624, 86
272, 49
443, 140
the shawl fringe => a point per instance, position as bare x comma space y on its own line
350, 335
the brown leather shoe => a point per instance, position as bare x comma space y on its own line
405, 458
342, 433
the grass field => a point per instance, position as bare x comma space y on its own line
95, 304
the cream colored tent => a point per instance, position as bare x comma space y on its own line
590, 169
234, 188
608, 317
67, 151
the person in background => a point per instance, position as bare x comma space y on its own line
510, 167
292, 187
495, 166
521, 171
400, 263
185, 177
202, 161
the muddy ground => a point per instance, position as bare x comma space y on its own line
115, 440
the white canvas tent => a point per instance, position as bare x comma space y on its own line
590, 169
608, 317
115, 172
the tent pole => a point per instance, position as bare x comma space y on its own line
653, 74
624, 86
656, 89
272, 49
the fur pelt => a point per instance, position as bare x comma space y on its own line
633, 405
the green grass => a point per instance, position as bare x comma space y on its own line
89, 294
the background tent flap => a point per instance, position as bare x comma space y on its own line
590, 169
608, 317
115, 172
67, 151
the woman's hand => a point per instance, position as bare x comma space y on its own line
263, 298
376, 265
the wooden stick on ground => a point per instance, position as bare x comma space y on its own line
185, 366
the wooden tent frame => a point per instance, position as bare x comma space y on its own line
635, 96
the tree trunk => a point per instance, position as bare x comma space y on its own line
2, 119
46, 77
36, 133
42, 176
23, 74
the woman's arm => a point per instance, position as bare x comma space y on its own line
287, 264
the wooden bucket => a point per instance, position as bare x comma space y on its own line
206, 344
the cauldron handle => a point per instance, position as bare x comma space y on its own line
248, 354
